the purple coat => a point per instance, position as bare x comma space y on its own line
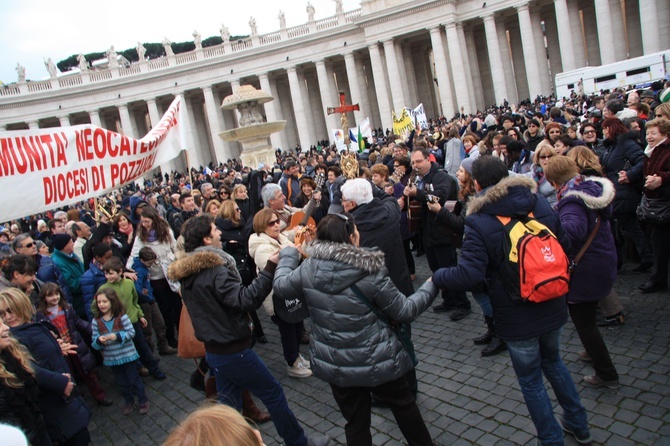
580, 202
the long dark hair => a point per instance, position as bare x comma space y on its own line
337, 228
160, 225
48, 289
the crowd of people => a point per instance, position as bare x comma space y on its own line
332, 238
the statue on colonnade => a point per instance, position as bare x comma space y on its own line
51, 67
21, 72
282, 19
197, 39
310, 12
167, 45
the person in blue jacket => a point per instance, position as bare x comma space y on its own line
532, 331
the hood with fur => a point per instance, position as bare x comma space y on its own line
501, 192
192, 264
597, 193
367, 260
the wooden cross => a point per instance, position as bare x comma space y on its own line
343, 108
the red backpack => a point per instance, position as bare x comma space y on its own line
536, 268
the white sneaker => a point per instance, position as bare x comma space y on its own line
304, 361
298, 370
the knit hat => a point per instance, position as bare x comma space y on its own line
467, 163
647, 94
60, 241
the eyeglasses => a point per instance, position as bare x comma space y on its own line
3, 313
589, 132
28, 245
545, 157
273, 222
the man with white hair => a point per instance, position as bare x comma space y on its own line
274, 198
377, 218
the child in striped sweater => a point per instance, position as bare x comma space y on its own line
113, 334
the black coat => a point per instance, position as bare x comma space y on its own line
80, 334
64, 418
20, 407
378, 223
624, 154
235, 242
446, 188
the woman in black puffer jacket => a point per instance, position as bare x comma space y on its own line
622, 160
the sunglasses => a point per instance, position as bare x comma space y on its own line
28, 245
237, 210
273, 222
589, 132
544, 157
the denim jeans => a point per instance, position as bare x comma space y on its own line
245, 370
484, 301
532, 357
129, 382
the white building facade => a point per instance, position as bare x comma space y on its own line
450, 55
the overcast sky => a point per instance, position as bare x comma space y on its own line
32, 30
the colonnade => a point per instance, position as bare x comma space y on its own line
457, 56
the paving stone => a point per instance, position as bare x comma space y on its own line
465, 399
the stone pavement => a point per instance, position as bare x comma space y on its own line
465, 399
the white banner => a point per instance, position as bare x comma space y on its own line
366, 130
50, 168
419, 114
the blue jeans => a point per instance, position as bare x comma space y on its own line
484, 301
245, 370
129, 382
532, 357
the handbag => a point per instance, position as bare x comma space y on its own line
402, 331
654, 210
189, 346
290, 309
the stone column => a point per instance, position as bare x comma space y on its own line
442, 72
565, 35
495, 59
395, 82
466, 66
508, 68
458, 68
475, 76
94, 115
304, 135
215, 122
194, 157
605, 32
328, 98
354, 86
274, 91
381, 86
529, 52
577, 36
64, 121
366, 108
545, 80
270, 111
307, 106
126, 123
649, 14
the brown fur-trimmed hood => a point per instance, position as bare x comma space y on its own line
192, 264
499, 191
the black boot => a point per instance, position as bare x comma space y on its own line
488, 336
497, 345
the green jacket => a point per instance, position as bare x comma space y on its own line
125, 289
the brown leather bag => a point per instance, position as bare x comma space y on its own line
189, 346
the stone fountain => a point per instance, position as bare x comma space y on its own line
253, 133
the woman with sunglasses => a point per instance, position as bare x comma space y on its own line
267, 239
349, 293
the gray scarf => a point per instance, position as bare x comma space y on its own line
228, 260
